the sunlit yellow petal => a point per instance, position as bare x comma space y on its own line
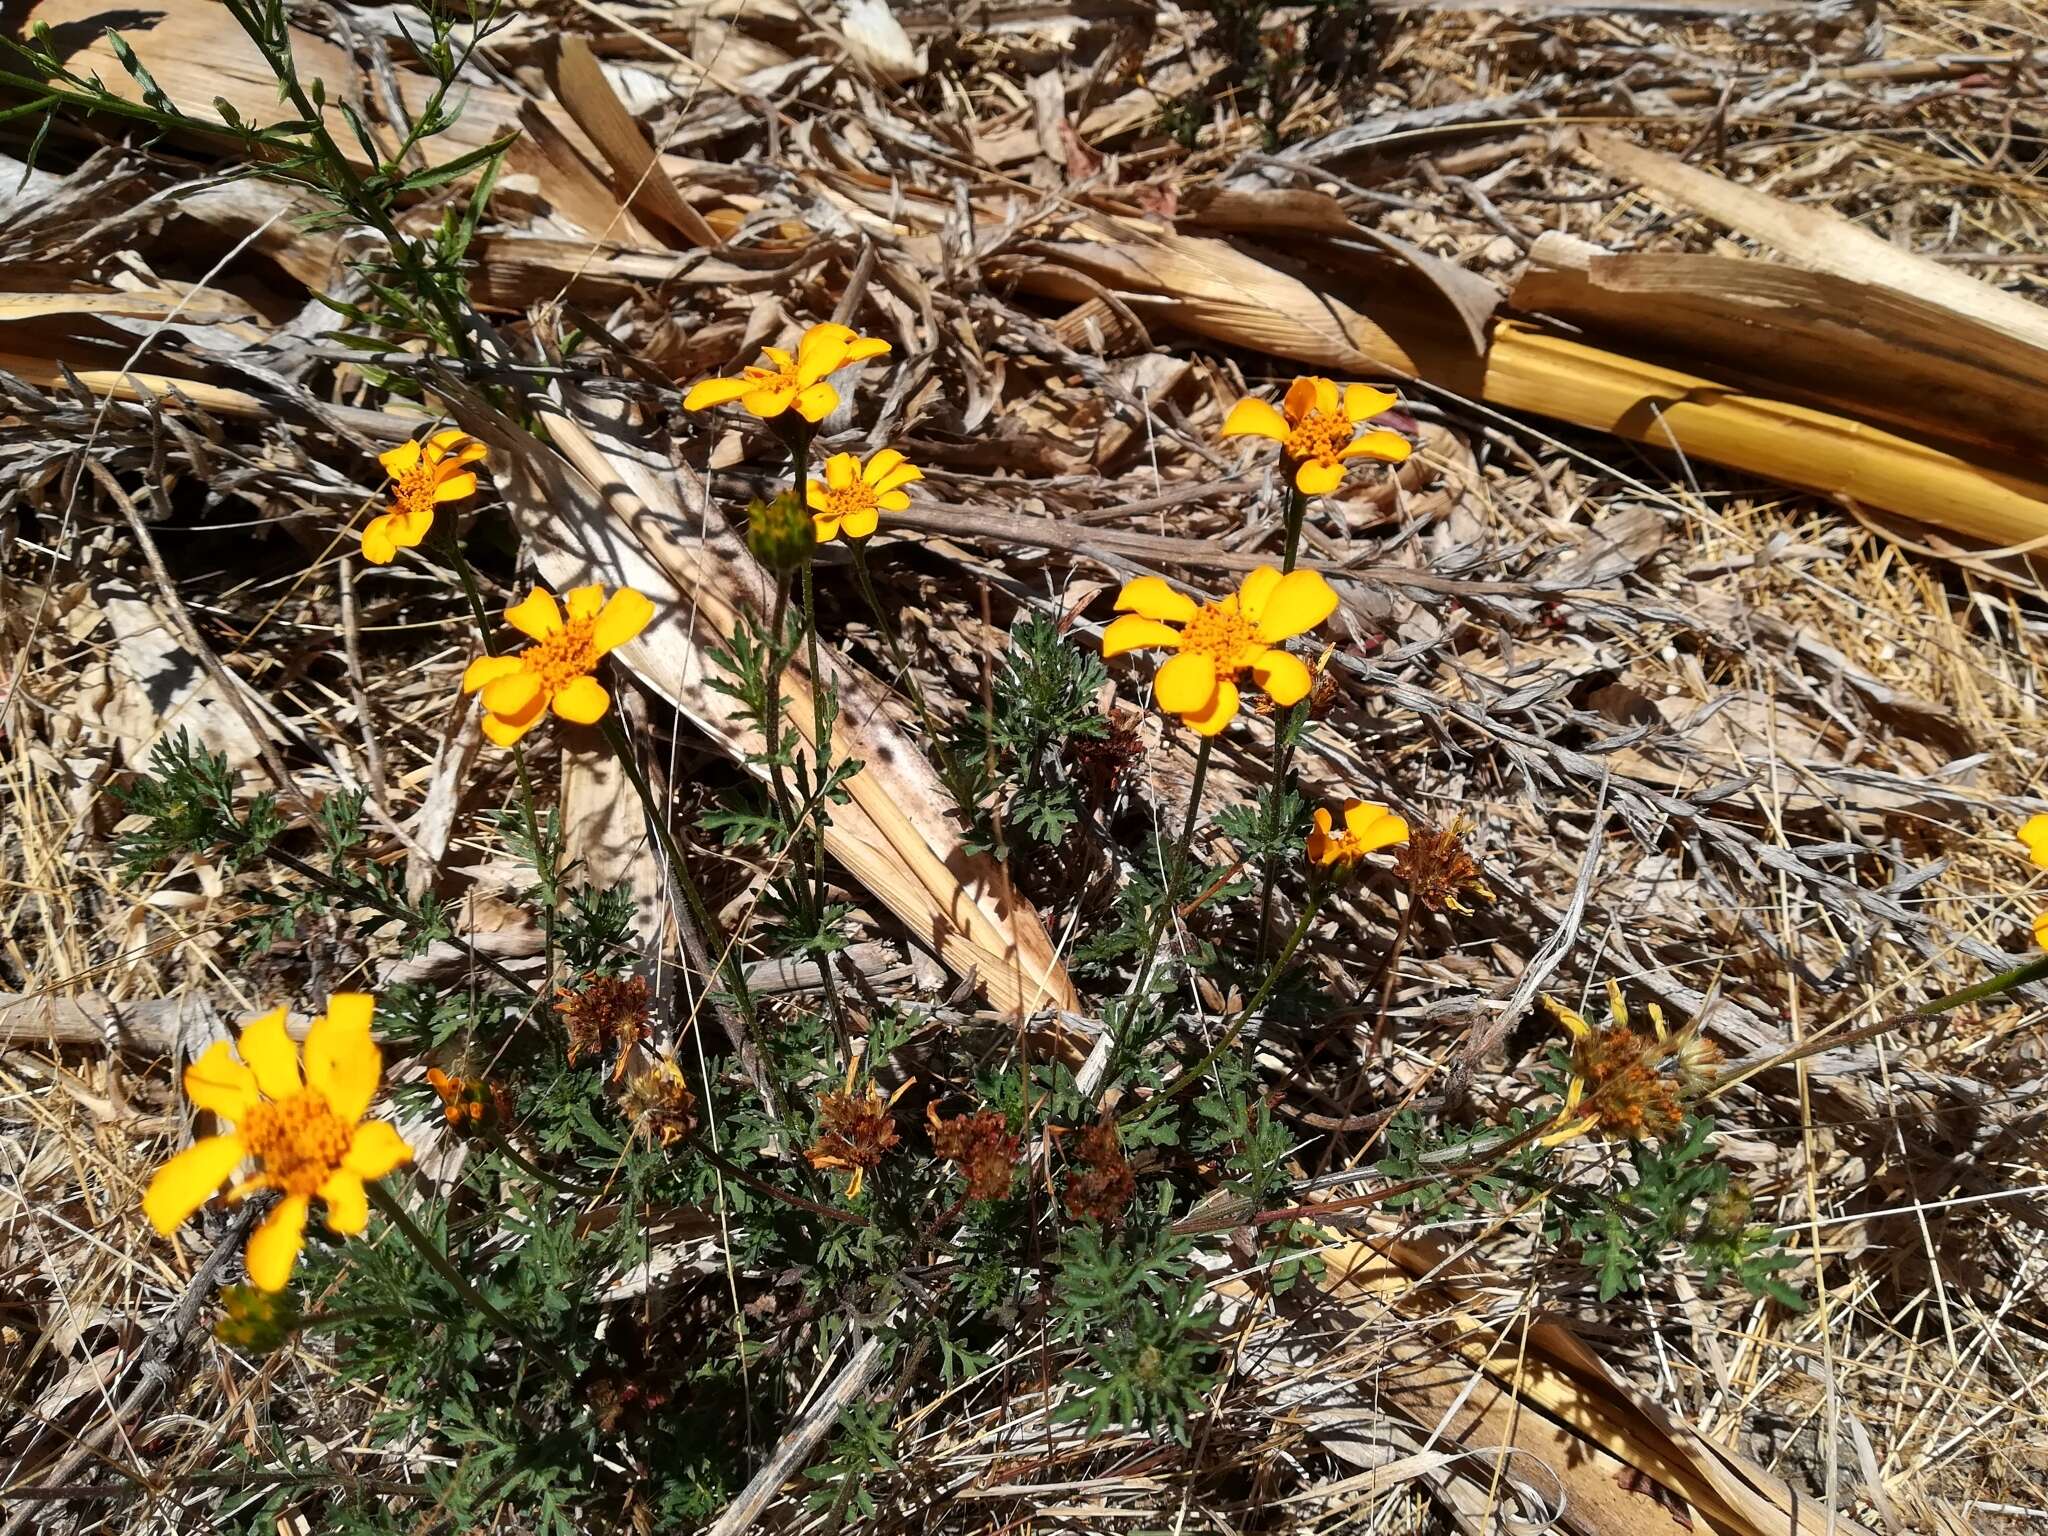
535, 616
1257, 587
1285, 678
826, 526
583, 602
378, 546
840, 471
710, 392
1186, 683
768, 401
1221, 711
1255, 418
1373, 827
1318, 477
188, 1181
342, 1061
455, 487
376, 1150
861, 348
1362, 402
879, 463
2041, 930
814, 496
271, 1055
399, 460
1387, 447
1134, 632
488, 669
624, 616
893, 501
2034, 833
859, 522
817, 402
1152, 597
512, 694
504, 732
581, 700
221, 1082
348, 1203
274, 1246
823, 350
1299, 601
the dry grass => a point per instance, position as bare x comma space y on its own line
1869, 705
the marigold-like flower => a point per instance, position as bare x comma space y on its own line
555, 670
1367, 829
306, 1134
2034, 833
423, 475
659, 1104
470, 1103
1438, 871
609, 1013
845, 501
1317, 430
1619, 1084
793, 381
983, 1147
1100, 1184
856, 1130
1219, 642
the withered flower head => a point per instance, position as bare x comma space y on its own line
1620, 1087
1438, 871
982, 1145
608, 1013
658, 1102
1100, 1183
470, 1104
856, 1130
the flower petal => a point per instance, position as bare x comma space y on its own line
1134, 632
840, 470
583, 602
274, 1248
1387, 447
817, 402
1318, 477
770, 400
879, 463
861, 348
379, 548
826, 526
707, 393
2041, 930
2034, 833
1152, 597
581, 700
893, 501
896, 479
1373, 826
1362, 402
1255, 418
1299, 601
269, 1051
1221, 711
220, 1081
1301, 397
1257, 587
535, 616
455, 487
397, 461
814, 496
506, 733
823, 350
488, 669
1284, 677
440, 442
859, 522
376, 1149
512, 694
348, 1203
188, 1181
1186, 683
342, 1061
623, 617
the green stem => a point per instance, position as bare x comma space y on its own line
1283, 726
437, 1261
821, 769
1176, 866
1244, 1017
714, 936
2004, 981
503, 1145
771, 718
1296, 514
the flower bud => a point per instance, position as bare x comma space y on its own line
779, 533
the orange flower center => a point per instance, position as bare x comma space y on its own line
1223, 635
1319, 437
566, 654
414, 490
298, 1139
845, 500
775, 378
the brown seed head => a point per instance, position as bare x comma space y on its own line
606, 1014
1100, 1183
983, 1147
1438, 871
659, 1104
856, 1129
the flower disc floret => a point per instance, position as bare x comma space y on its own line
555, 671
1316, 427
1218, 643
423, 475
788, 380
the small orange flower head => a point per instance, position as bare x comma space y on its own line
798, 381
1317, 430
855, 1130
1367, 829
981, 1145
1100, 1184
470, 1103
1626, 1085
1219, 642
305, 1133
609, 1013
658, 1103
555, 671
423, 475
1438, 871
848, 499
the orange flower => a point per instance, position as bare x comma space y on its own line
423, 475
307, 1135
846, 499
1317, 430
1625, 1085
1367, 829
555, 670
854, 1132
793, 381
1219, 642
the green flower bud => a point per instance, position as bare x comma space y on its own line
256, 1321
780, 533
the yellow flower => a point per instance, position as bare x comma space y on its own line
307, 1136
1620, 1085
1367, 829
2035, 835
423, 475
2041, 930
555, 670
846, 499
1317, 430
793, 381
1219, 642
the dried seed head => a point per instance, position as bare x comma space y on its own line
658, 1103
1100, 1183
982, 1146
1104, 762
606, 1014
1438, 871
855, 1130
